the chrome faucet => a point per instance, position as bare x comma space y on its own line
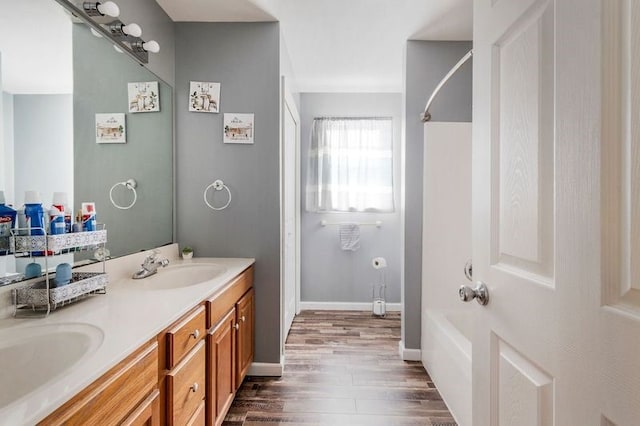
150, 265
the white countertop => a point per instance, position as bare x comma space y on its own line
129, 315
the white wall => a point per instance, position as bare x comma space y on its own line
329, 274
446, 237
50, 142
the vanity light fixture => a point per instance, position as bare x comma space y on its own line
108, 8
119, 29
149, 46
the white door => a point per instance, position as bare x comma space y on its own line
556, 224
290, 199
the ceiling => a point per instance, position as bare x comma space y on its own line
341, 45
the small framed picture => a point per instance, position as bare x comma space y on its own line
204, 96
144, 96
111, 128
238, 128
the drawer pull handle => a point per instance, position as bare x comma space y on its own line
237, 326
195, 334
194, 387
243, 318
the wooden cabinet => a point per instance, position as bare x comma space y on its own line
230, 318
221, 371
113, 398
188, 375
245, 336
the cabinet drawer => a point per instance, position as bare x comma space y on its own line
219, 304
185, 335
186, 386
111, 398
147, 413
198, 418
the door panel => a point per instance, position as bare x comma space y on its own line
620, 294
536, 214
523, 207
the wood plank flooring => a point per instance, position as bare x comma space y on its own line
342, 368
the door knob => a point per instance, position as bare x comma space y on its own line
480, 293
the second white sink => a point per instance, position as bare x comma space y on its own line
177, 276
33, 356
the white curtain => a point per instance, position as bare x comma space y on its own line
350, 165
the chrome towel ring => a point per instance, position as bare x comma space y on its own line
129, 184
218, 185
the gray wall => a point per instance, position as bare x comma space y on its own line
100, 86
156, 25
426, 64
50, 141
244, 58
329, 274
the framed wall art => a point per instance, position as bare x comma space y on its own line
238, 128
204, 96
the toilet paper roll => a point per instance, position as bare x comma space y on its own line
379, 262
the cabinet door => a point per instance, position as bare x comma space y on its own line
221, 367
245, 321
147, 413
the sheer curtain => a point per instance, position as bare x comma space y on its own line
350, 165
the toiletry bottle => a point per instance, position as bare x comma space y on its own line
89, 216
60, 202
77, 224
56, 221
34, 214
7, 223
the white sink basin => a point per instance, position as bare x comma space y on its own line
34, 355
177, 276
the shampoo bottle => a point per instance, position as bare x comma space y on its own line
7, 223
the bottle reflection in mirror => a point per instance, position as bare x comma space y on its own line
7, 223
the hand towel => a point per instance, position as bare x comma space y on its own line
349, 236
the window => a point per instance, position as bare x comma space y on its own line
350, 165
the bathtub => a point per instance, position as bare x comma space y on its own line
446, 354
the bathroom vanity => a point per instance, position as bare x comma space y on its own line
169, 350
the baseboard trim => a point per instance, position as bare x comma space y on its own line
409, 354
345, 306
266, 369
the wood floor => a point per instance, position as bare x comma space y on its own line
342, 368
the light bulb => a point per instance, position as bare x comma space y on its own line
132, 29
151, 46
109, 8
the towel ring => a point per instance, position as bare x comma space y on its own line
218, 185
129, 184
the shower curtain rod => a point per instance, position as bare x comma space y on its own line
426, 115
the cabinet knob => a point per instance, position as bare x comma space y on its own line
194, 387
243, 318
196, 333
237, 326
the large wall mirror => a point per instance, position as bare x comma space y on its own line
56, 77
